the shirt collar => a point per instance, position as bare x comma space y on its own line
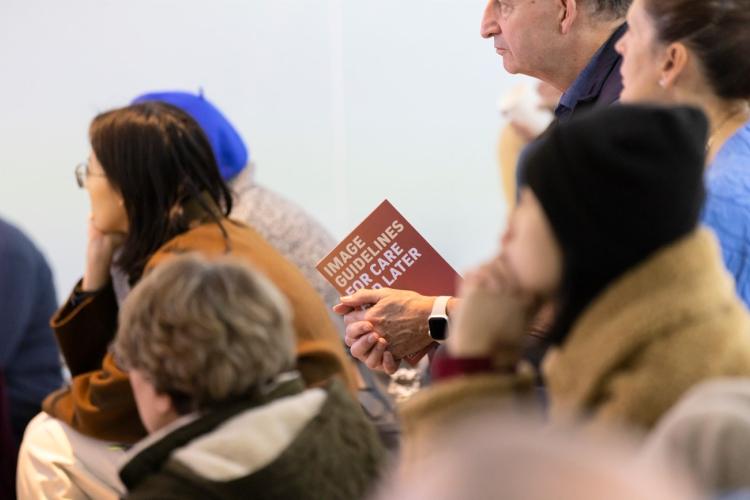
590, 81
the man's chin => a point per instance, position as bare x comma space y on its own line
510, 65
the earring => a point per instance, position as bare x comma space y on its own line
663, 83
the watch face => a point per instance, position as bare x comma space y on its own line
438, 328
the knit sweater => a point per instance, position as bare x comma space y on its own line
286, 226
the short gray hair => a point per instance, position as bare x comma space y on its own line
610, 9
205, 331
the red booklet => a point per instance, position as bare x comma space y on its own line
385, 251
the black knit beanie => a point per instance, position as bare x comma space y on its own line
616, 184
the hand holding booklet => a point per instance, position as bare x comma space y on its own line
385, 251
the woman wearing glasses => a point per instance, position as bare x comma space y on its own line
155, 192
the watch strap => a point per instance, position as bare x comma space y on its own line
440, 306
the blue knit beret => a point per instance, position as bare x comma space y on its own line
230, 150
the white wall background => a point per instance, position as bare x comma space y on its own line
342, 103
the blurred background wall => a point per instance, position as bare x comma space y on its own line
341, 102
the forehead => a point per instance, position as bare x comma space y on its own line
636, 12
527, 8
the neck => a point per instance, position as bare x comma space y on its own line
577, 53
198, 211
724, 124
725, 118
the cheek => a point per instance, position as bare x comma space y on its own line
108, 214
640, 75
526, 262
535, 262
98, 205
629, 61
514, 39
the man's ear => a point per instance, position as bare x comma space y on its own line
675, 61
163, 404
568, 15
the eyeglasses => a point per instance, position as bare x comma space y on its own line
82, 173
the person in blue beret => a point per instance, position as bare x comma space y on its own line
285, 225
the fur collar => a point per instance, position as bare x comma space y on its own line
677, 285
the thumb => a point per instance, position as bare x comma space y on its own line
362, 297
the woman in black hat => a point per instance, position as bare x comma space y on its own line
607, 227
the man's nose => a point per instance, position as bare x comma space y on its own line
490, 27
620, 45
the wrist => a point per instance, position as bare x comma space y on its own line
92, 285
461, 345
467, 348
96, 273
94, 279
437, 321
452, 307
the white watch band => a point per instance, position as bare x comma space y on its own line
440, 306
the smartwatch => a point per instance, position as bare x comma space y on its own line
437, 322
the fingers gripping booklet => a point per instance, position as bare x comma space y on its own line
385, 251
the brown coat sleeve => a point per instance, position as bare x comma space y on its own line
99, 402
85, 330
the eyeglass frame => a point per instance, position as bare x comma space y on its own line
82, 173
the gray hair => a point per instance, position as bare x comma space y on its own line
610, 9
204, 332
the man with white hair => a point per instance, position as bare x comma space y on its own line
569, 44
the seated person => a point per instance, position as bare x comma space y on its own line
29, 359
687, 52
209, 348
287, 227
607, 226
156, 193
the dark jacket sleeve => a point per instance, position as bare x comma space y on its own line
16, 302
99, 402
84, 330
